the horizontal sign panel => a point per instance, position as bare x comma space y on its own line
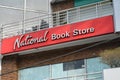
57, 35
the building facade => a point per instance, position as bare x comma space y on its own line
63, 42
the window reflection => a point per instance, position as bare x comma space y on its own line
35, 73
73, 70
78, 64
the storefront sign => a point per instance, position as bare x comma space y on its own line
29, 40
57, 35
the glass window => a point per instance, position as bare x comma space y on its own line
35, 73
95, 67
57, 71
68, 69
78, 64
86, 69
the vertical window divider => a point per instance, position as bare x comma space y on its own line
50, 72
85, 69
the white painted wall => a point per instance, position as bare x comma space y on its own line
112, 74
116, 7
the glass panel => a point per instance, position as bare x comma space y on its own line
12, 3
78, 64
69, 70
78, 70
36, 73
79, 78
94, 66
57, 71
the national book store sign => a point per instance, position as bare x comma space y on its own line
57, 35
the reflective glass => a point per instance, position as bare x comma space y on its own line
69, 69
35, 73
95, 65
57, 71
